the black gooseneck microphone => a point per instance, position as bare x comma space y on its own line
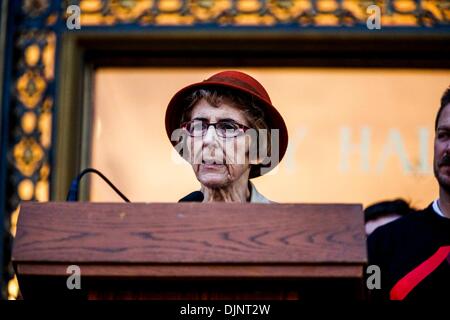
72, 195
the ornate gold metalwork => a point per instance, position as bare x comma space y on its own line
27, 156
34, 8
32, 55
26, 189
48, 56
45, 123
13, 288
42, 186
263, 13
31, 106
13, 284
28, 122
13, 221
126, 10
30, 88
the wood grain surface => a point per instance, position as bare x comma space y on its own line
163, 233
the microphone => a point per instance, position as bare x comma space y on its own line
196, 196
72, 195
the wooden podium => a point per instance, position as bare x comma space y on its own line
191, 250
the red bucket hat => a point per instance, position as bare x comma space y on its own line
238, 81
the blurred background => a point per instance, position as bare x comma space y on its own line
86, 84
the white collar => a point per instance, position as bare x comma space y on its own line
437, 209
256, 197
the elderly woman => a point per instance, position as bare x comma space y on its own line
230, 132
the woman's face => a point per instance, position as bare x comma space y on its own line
218, 161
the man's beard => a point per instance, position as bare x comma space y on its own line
444, 181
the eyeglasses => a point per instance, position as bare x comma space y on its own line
224, 129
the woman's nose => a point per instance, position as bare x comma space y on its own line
210, 135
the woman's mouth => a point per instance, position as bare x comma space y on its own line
211, 164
